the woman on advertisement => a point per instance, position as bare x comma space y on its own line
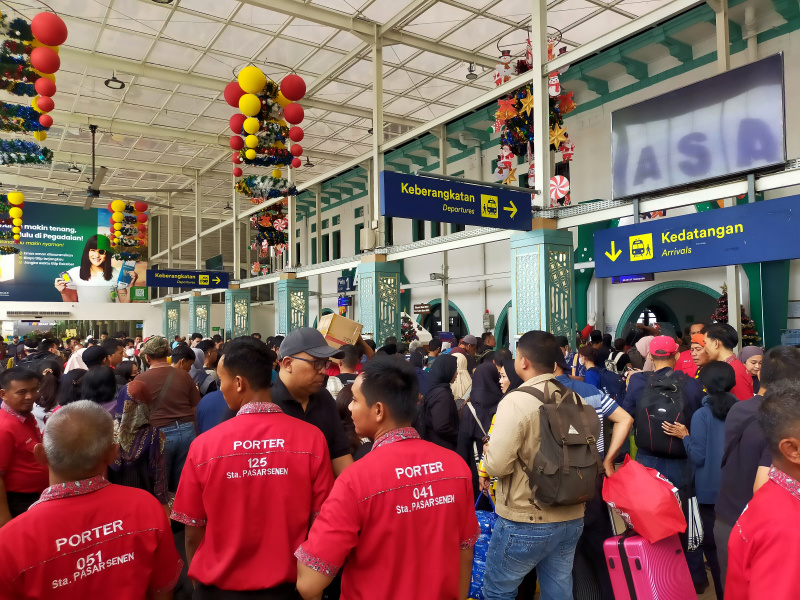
95, 279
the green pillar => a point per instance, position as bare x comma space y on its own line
172, 319
379, 298
769, 299
237, 313
200, 315
584, 253
542, 283
292, 303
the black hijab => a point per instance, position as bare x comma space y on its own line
416, 359
442, 372
514, 380
486, 393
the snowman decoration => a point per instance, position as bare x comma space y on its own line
502, 71
554, 85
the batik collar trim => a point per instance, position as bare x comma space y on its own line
73, 488
782, 479
396, 435
252, 408
22, 418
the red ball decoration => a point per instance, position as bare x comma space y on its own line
49, 29
296, 163
237, 142
232, 93
45, 87
293, 87
46, 120
142, 218
141, 227
45, 103
140, 206
236, 123
296, 150
293, 113
112, 221
45, 59
109, 207
296, 134
237, 172
237, 160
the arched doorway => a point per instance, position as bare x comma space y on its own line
325, 311
501, 330
671, 304
433, 321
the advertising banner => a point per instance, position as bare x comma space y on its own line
66, 256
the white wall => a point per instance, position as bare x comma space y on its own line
149, 315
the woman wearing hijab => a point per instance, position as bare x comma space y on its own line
417, 361
643, 347
463, 382
140, 462
204, 382
752, 357
76, 361
439, 410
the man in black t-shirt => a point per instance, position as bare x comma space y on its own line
747, 459
347, 368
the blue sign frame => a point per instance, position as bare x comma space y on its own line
187, 279
447, 201
756, 232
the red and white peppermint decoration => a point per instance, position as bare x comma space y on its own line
280, 224
559, 187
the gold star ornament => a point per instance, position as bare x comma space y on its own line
527, 103
558, 135
511, 177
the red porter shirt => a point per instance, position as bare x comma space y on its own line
18, 467
255, 482
400, 516
88, 539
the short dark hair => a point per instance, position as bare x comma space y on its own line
588, 352
779, 414
486, 335
128, 340
539, 347
197, 336
562, 341
371, 344
110, 345
723, 333
17, 374
607, 340
177, 338
71, 386
124, 369
596, 336
390, 340
182, 351
99, 385
619, 345
394, 383
502, 356
255, 336
206, 345
717, 377
216, 337
350, 358
250, 359
45, 345
434, 345
103, 333
781, 363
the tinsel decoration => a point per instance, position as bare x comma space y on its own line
750, 335
21, 152
267, 157
17, 29
18, 118
265, 186
8, 250
13, 86
407, 331
270, 225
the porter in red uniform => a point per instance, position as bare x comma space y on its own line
251, 486
402, 516
86, 538
22, 479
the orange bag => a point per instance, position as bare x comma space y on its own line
645, 500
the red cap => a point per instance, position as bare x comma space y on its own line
663, 346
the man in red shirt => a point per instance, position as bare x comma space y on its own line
251, 486
764, 546
85, 537
402, 516
686, 361
721, 339
22, 479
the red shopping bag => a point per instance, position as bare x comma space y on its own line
646, 501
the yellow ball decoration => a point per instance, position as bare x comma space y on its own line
252, 125
117, 234
16, 238
252, 80
283, 123
277, 174
15, 212
282, 100
117, 217
37, 44
16, 198
15, 229
280, 145
35, 105
251, 141
16, 222
50, 76
250, 105
118, 206
250, 154
117, 226
40, 136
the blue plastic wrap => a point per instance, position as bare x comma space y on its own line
486, 521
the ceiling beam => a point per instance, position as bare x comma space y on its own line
132, 67
123, 163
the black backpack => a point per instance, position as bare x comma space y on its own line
611, 383
566, 467
662, 401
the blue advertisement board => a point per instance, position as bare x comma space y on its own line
187, 279
431, 199
756, 232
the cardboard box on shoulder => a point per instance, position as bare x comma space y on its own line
339, 330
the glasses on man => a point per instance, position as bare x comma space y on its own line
317, 363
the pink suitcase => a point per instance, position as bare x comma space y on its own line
640, 570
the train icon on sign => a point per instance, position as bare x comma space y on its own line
638, 248
489, 206
641, 247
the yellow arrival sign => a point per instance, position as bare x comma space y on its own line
641, 246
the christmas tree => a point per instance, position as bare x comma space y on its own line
407, 331
750, 335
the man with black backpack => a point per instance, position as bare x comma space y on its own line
653, 398
540, 496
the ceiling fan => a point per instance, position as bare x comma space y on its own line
98, 176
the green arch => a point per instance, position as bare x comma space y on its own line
502, 322
325, 311
661, 287
437, 302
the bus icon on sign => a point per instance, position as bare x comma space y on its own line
641, 247
489, 206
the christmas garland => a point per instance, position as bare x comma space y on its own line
8, 250
16, 87
268, 157
271, 133
19, 118
20, 152
18, 29
265, 186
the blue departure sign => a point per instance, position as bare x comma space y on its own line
187, 279
431, 199
756, 232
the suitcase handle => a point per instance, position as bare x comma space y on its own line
626, 567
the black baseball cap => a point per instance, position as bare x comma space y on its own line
94, 356
310, 341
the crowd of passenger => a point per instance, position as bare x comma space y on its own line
286, 468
